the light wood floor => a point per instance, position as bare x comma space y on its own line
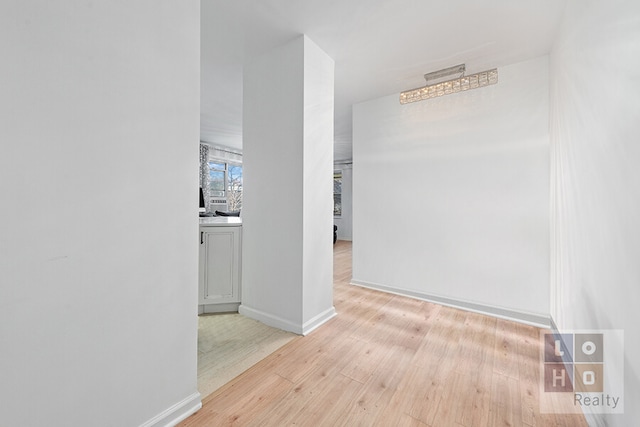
229, 344
387, 360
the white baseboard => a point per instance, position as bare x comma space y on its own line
533, 319
286, 325
231, 307
177, 413
270, 319
318, 320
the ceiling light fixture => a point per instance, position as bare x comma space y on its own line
460, 84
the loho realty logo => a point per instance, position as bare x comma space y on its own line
576, 363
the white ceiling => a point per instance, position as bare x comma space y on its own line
380, 47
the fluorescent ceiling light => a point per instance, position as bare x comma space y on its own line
460, 84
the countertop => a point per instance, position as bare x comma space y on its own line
220, 221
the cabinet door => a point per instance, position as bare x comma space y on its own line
220, 269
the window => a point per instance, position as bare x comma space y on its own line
217, 179
234, 186
225, 181
337, 193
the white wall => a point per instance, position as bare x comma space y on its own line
450, 195
287, 258
317, 196
595, 79
98, 261
344, 222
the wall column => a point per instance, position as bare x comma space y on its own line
287, 272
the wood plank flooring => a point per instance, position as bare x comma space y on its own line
229, 344
387, 360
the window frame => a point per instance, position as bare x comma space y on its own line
337, 213
224, 179
227, 190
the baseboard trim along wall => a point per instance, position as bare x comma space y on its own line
177, 413
319, 320
533, 319
553, 326
286, 325
269, 319
231, 307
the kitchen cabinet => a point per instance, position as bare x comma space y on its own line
220, 265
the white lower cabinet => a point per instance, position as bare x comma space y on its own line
220, 250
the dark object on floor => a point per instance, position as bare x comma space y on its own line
335, 234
